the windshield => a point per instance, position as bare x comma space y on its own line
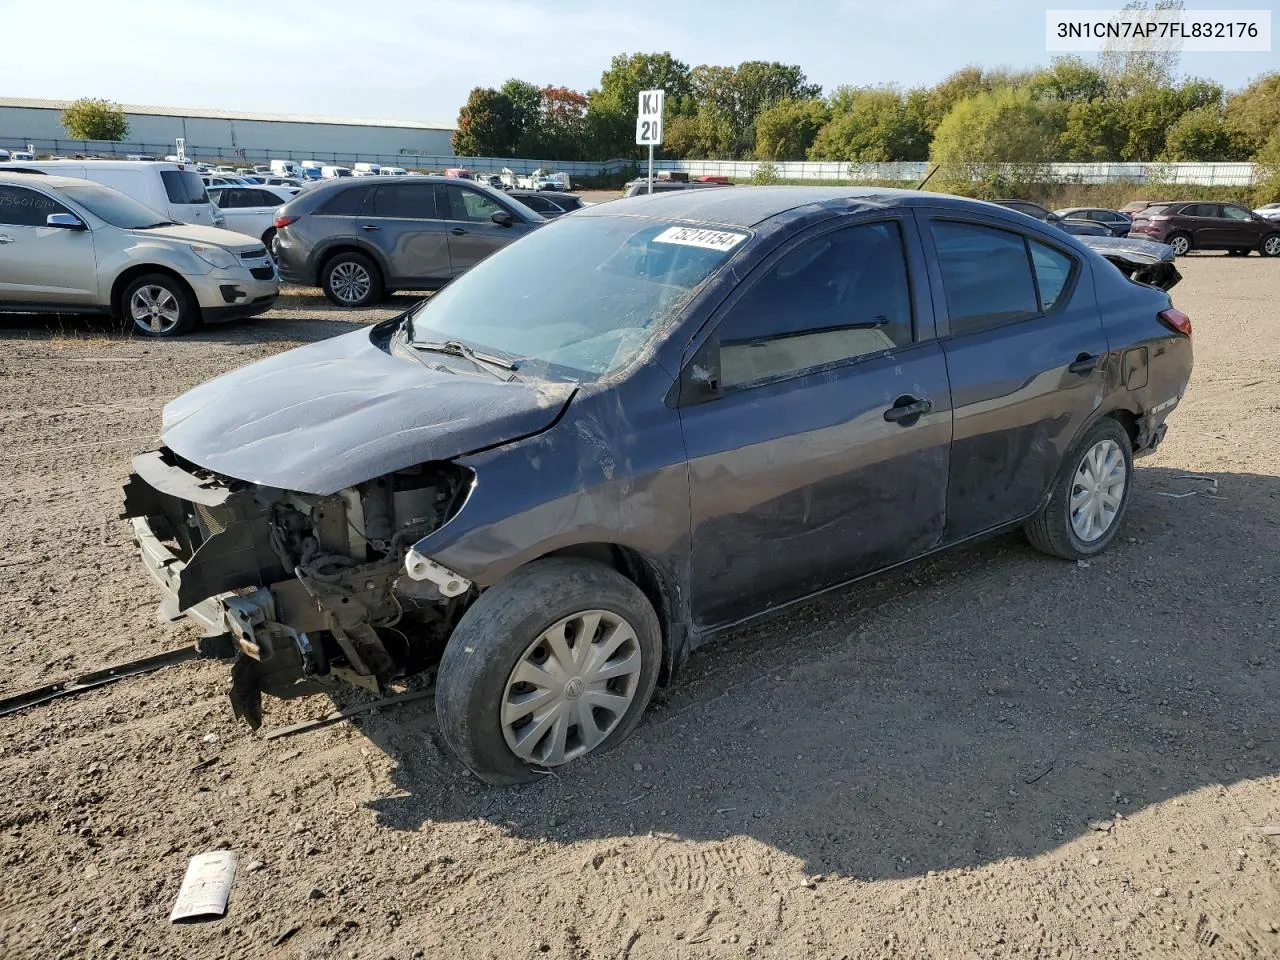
618, 281
114, 207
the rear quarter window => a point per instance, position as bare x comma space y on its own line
183, 186
346, 203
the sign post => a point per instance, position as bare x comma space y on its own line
649, 124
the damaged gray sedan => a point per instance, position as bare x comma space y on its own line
550, 485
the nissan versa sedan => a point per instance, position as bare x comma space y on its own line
554, 485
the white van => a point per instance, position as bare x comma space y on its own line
394, 172
310, 169
22, 155
284, 168
331, 173
366, 170
174, 190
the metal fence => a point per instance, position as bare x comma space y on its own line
1202, 174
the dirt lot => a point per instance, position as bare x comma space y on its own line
995, 754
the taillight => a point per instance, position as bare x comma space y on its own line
1176, 320
282, 222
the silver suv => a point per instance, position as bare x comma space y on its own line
75, 246
363, 238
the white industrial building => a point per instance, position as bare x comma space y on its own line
227, 133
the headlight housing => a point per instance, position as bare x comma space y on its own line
214, 256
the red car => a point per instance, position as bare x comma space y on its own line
1195, 225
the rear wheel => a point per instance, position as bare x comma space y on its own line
1180, 242
557, 661
159, 305
1089, 498
351, 280
1270, 246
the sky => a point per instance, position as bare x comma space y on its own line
418, 59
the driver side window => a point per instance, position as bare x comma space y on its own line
470, 205
836, 297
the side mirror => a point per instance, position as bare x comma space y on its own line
501, 218
66, 221
1053, 218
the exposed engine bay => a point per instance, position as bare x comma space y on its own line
301, 589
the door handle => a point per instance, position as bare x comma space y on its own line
1084, 364
370, 227
4, 239
458, 231
907, 410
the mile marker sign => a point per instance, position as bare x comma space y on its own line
649, 118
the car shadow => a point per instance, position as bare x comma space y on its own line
988, 703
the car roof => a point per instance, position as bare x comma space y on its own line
749, 206
19, 177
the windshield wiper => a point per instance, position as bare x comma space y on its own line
484, 361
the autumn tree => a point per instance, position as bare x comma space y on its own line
486, 125
557, 131
1253, 114
90, 119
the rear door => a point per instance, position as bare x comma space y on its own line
821, 454
42, 265
402, 219
472, 233
1025, 351
1209, 229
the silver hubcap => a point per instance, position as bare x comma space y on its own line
1180, 245
571, 688
154, 309
1272, 246
350, 282
1098, 490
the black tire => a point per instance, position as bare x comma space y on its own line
1051, 530
351, 280
1180, 236
1270, 245
170, 295
498, 629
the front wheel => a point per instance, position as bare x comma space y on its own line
1089, 498
1270, 246
556, 662
159, 305
351, 280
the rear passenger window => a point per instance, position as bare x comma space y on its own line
986, 276
346, 203
406, 201
839, 296
26, 208
1053, 270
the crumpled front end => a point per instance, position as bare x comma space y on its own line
300, 590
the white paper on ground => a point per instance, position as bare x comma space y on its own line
206, 887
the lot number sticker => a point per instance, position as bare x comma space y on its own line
694, 237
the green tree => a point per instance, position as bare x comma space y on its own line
949, 91
1006, 126
729, 99
1094, 131
1069, 79
1254, 113
90, 119
873, 125
485, 125
526, 107
1203, 134
1128, 69
611, 108
786, 130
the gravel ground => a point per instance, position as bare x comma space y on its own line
993, 754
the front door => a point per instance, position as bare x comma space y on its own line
402, 220
1026, 356
472, 233
818, 443
1242, 226
42, 265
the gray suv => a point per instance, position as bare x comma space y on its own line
360, 239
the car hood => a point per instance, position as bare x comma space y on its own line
194, 233
333, 414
